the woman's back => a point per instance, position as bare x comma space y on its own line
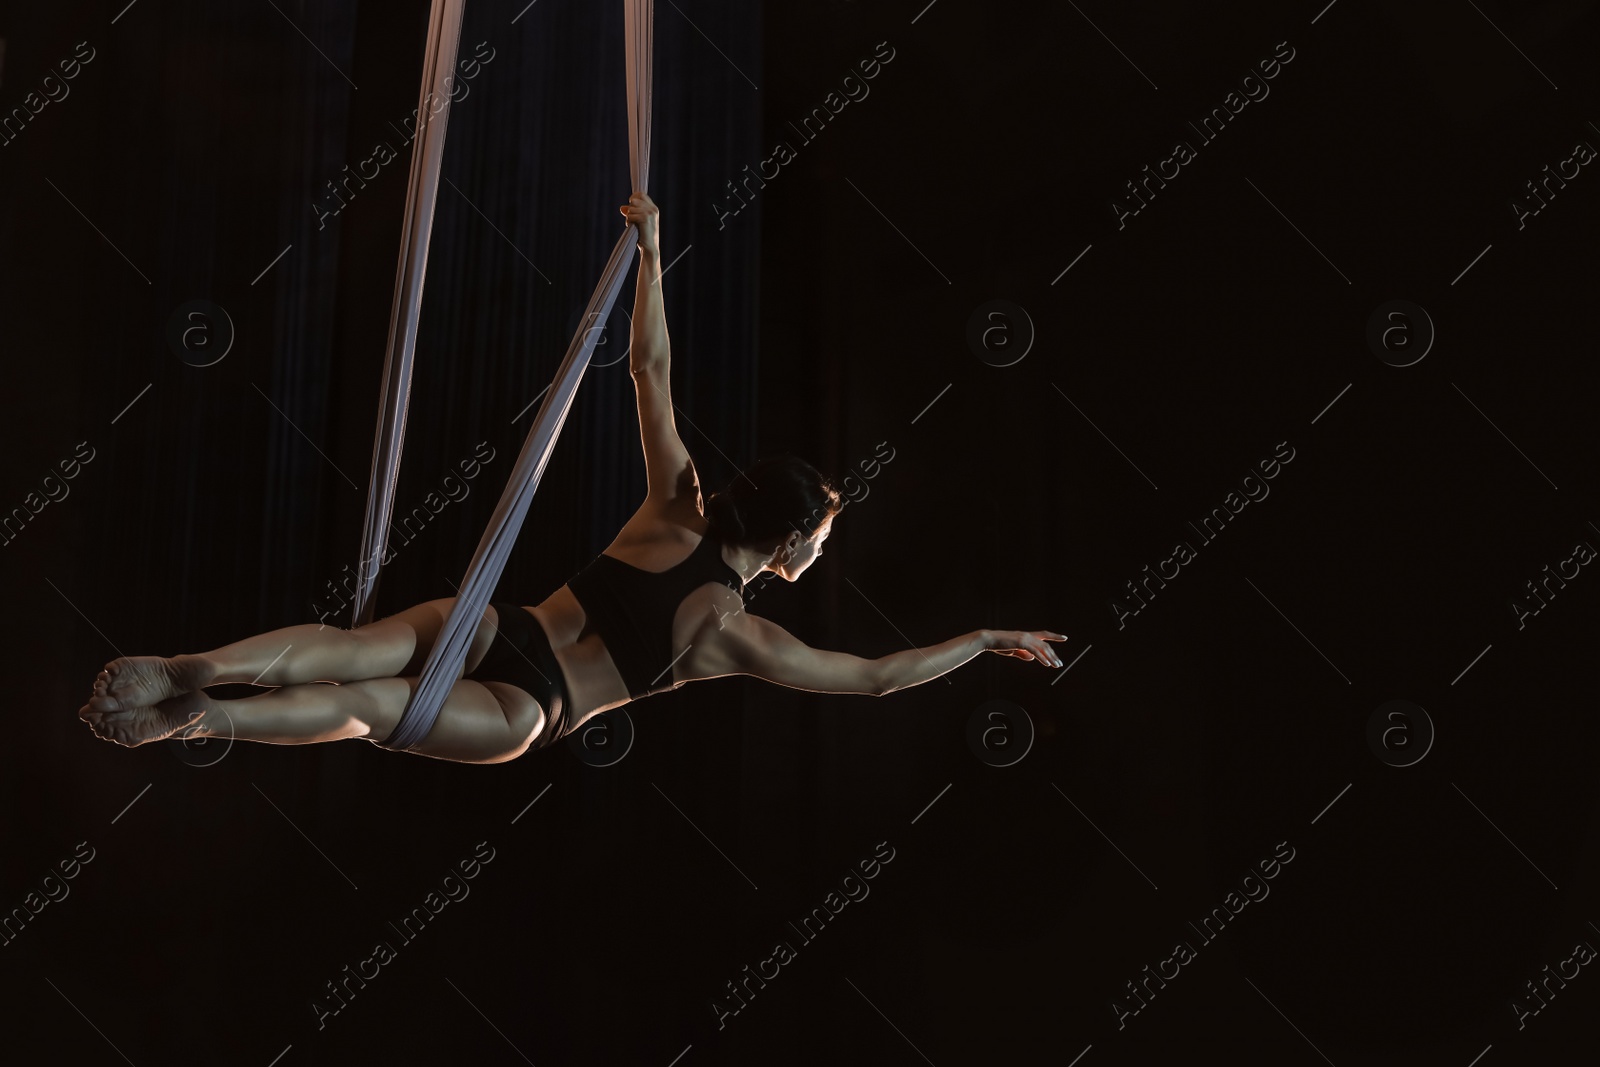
633, 608
624, 626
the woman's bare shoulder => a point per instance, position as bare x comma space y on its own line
655, 532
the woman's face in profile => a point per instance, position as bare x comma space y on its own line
808, 552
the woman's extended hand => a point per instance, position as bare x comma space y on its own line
1026, 644
642, 212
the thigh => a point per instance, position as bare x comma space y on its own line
481, 722
399, 644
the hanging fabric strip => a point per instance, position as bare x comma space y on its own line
449, 654
427, 157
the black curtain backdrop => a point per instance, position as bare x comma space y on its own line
847, 188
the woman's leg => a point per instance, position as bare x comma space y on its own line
396, 645
480, 722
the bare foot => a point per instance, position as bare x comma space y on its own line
133, 683
182, 714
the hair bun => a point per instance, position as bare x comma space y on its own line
725, 516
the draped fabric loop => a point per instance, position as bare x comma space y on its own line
449, 653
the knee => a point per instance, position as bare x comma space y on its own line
376, 714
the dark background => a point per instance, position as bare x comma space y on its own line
227, 887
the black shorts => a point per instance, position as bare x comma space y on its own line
520, 655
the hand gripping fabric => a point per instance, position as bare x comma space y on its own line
449, 652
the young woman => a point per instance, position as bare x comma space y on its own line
663, 605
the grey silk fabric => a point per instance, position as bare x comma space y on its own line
427, 156
449, 653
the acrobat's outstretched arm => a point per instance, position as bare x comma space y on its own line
668, 466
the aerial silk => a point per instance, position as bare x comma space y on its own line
427, 157
448, 657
